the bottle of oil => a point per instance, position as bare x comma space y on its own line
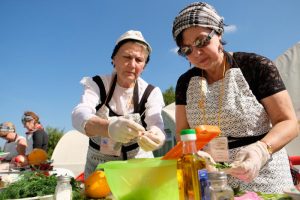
180, 180
190, 163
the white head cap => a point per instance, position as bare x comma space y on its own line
133, 35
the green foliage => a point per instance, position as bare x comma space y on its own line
30, 184
169, 95
54, 136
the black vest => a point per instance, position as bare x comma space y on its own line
139, 107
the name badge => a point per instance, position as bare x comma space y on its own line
107, 147
218, 149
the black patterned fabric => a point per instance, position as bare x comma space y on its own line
250, 78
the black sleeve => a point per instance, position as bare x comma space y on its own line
40, 139
183, 84
261, 74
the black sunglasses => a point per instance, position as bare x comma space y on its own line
199, 43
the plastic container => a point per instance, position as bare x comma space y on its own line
143, 178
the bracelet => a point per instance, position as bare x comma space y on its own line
269, 147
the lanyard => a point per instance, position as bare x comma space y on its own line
220, 100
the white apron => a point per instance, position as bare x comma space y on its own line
241, 116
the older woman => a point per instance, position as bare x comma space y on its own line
240, 92
121, 113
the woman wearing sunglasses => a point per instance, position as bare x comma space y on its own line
241, 93
36, 136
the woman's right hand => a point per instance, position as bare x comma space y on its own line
123, 130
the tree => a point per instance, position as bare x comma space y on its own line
54, 136
169, 95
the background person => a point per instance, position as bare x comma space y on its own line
121, 112
15, 144
36, 136
240, 92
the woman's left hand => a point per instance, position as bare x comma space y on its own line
152, 139
249, 161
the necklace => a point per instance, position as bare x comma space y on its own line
129, 104
220, 100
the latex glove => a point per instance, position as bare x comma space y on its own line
152, 139
249, 161
123, 130
209, 161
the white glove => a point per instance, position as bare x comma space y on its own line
249, 161
209, 161
152, 139
123, 130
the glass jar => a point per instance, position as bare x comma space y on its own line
63, 190
219, 189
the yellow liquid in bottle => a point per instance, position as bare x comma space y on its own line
180, 180
190, 164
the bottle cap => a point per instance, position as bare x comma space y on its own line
202, 174
188, 134
64, 178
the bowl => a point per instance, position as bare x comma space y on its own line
142, 178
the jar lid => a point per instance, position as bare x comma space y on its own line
64, 178
217, 175
188, 134
203, 174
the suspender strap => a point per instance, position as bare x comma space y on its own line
142, 104
111, 90
100, 84
234, 142
136, 98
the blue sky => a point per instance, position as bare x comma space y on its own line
47, 46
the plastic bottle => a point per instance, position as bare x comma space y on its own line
63, 190
204, 184
190, 163
219, 189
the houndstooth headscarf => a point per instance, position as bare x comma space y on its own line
197, 14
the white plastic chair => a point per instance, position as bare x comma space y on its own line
70, 152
